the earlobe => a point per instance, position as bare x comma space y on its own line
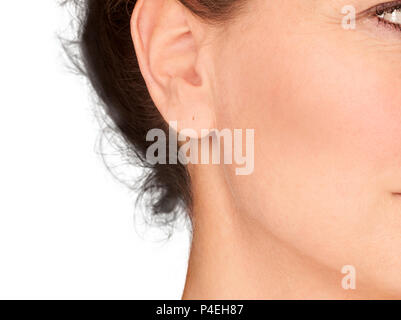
172, 63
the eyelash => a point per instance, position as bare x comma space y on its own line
387, 7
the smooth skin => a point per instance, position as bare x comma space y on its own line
325, 105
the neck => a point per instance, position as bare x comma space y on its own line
234, 258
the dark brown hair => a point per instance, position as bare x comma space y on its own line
107, 57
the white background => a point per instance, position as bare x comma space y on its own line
66, 226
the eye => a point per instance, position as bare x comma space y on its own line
392, 16
388, 14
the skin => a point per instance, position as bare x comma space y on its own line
325, 106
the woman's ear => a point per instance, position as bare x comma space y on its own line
169, 42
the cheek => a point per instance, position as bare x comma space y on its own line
327, 147
329, 109
336, 108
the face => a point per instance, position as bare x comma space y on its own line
325, 103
